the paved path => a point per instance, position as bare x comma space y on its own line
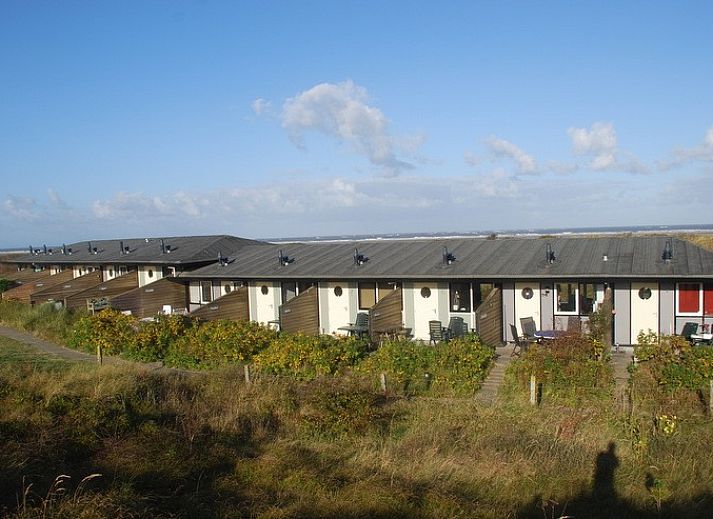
488, 393
62, 352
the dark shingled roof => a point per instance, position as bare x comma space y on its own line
502, 258
185, 250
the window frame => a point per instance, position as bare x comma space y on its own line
201, 286
469, 297
699, 313
557, 311
359, 298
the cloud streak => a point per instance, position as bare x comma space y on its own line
342, 111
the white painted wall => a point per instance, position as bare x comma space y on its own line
527, 307
336, 310
644, 312
144, 274
427, 308
264, 307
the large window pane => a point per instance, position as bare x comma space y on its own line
367, 295
566, 297
708, 299
459, 297
689, 298
289, 290
206, 291
587, 298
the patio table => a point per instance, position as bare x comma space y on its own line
702, 337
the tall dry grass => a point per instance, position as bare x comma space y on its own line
212, 446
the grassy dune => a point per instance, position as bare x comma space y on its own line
210, 446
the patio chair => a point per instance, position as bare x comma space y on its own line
529, 329
437, 332
360, 326
457, 327
689, 329
521, 344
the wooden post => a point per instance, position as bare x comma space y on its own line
246, 370
710, 396
533, 390
100, 357
382, 377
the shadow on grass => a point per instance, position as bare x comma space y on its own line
603, 501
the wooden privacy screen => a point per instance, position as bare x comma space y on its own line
386, 316
489, 318
301, 313
25, 291
110, 288
149, 300
230, 306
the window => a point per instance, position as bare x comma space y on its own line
425, 292
481, 291
206, 291
708, 299
227, 288
367, 295
689, 298
566, 296
338, 291
122, 271
149, 273
644, 293
527, 293
587, 298
289, 290
264, 290
460, 297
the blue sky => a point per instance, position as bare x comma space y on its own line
277, 119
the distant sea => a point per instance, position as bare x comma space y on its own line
552, 231
534, 232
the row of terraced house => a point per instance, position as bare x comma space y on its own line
653, 283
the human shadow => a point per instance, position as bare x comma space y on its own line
603, 501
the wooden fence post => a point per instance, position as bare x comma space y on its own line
533, 390
382, 377
246, 370
710, 396
100, 356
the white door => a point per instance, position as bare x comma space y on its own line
338, 309
644, 308
425, 308
265, 297
527, 303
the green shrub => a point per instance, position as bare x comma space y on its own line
456, 367
673, 362
44, 320
110, 329
154, 339
218, 342
570, 368
308, 357
6, 284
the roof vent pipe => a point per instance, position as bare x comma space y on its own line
64, 249
549, 254
222, 261
448, 257
283, 259
121, 248
32, 251
44, 249
89, 247
667, 255
359, 259
163, 247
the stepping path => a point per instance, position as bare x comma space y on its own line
488, 393
621, 360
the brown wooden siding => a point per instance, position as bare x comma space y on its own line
27, 276
23, 292
230, 306
386, 316
148, 300
489, 318
110, 288
62, 291
301, 313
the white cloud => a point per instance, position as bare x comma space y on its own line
22, 208
599, 144
261, 106
341, 111
526, 164
700, 153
